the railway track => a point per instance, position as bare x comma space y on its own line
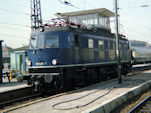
11, 108
9, 102
15, 96
30, 96
143, 107
136, 68
139, 69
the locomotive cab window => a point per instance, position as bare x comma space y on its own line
90, 43
33, 41
52, 41
41, 41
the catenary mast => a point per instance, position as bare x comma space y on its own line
117, 44
36, 19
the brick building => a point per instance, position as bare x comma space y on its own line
6, 57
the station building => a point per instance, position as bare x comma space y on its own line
18, 59
6, 58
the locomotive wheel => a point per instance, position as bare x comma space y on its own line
92, 76
58, 85
102, 75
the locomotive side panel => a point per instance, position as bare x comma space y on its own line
66, 50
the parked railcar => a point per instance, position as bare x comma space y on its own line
141, 52
65, 55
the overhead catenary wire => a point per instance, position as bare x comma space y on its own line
16, 4
138, 6
14, 24
15, 27
13, 4
13, 36
18, 12
68, 4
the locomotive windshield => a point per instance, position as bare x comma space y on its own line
52, 41
44, 41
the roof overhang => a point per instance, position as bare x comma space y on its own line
100, 11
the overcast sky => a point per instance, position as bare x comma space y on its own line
135, 21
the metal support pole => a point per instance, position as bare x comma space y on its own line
36, 18
117, 45
1, 64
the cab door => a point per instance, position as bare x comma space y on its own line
20, 62
76, 45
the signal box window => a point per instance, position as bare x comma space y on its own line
101, 44
90, 43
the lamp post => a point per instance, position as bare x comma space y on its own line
117, 45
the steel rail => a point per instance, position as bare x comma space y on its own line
9, 102
139, 106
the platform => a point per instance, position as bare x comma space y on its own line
13, 85
141, 65
99, 98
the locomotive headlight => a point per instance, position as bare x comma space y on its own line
28, 63
54, 61
41, 29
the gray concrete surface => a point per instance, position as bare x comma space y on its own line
13, 85
111, 95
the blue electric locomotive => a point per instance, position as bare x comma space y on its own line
65, 54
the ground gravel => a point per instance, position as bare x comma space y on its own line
127, 106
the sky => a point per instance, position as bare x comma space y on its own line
135, 20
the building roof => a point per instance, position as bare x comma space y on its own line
100, 11
6, 48
20, 48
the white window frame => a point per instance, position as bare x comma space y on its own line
90, 43
101, 43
